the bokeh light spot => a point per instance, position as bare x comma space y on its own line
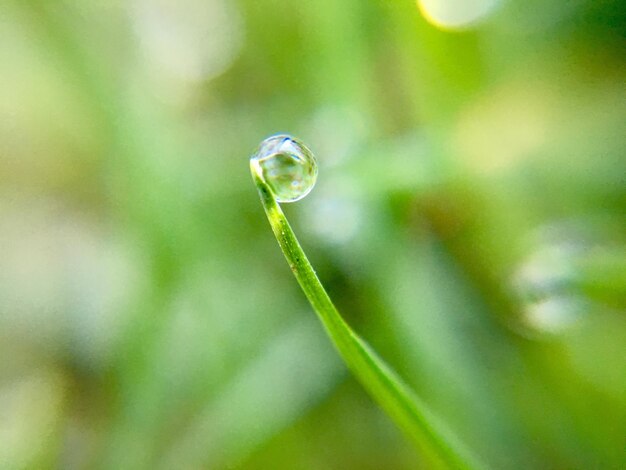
455, 14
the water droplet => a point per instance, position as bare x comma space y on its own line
287, 166
553, 314
547, 282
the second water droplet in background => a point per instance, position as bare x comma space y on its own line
287, 166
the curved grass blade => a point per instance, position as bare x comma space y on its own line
439, 446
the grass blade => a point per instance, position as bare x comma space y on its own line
439, 446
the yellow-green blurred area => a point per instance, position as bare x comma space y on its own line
468, 221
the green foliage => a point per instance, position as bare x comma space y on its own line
145, 318
439, 447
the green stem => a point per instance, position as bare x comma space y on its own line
440, 447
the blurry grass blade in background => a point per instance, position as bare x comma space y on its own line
247, 411
412, 415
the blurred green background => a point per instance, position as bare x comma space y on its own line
468, 220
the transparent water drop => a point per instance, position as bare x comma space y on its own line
547, 282
287, 166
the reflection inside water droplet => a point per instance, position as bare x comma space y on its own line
287, 166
